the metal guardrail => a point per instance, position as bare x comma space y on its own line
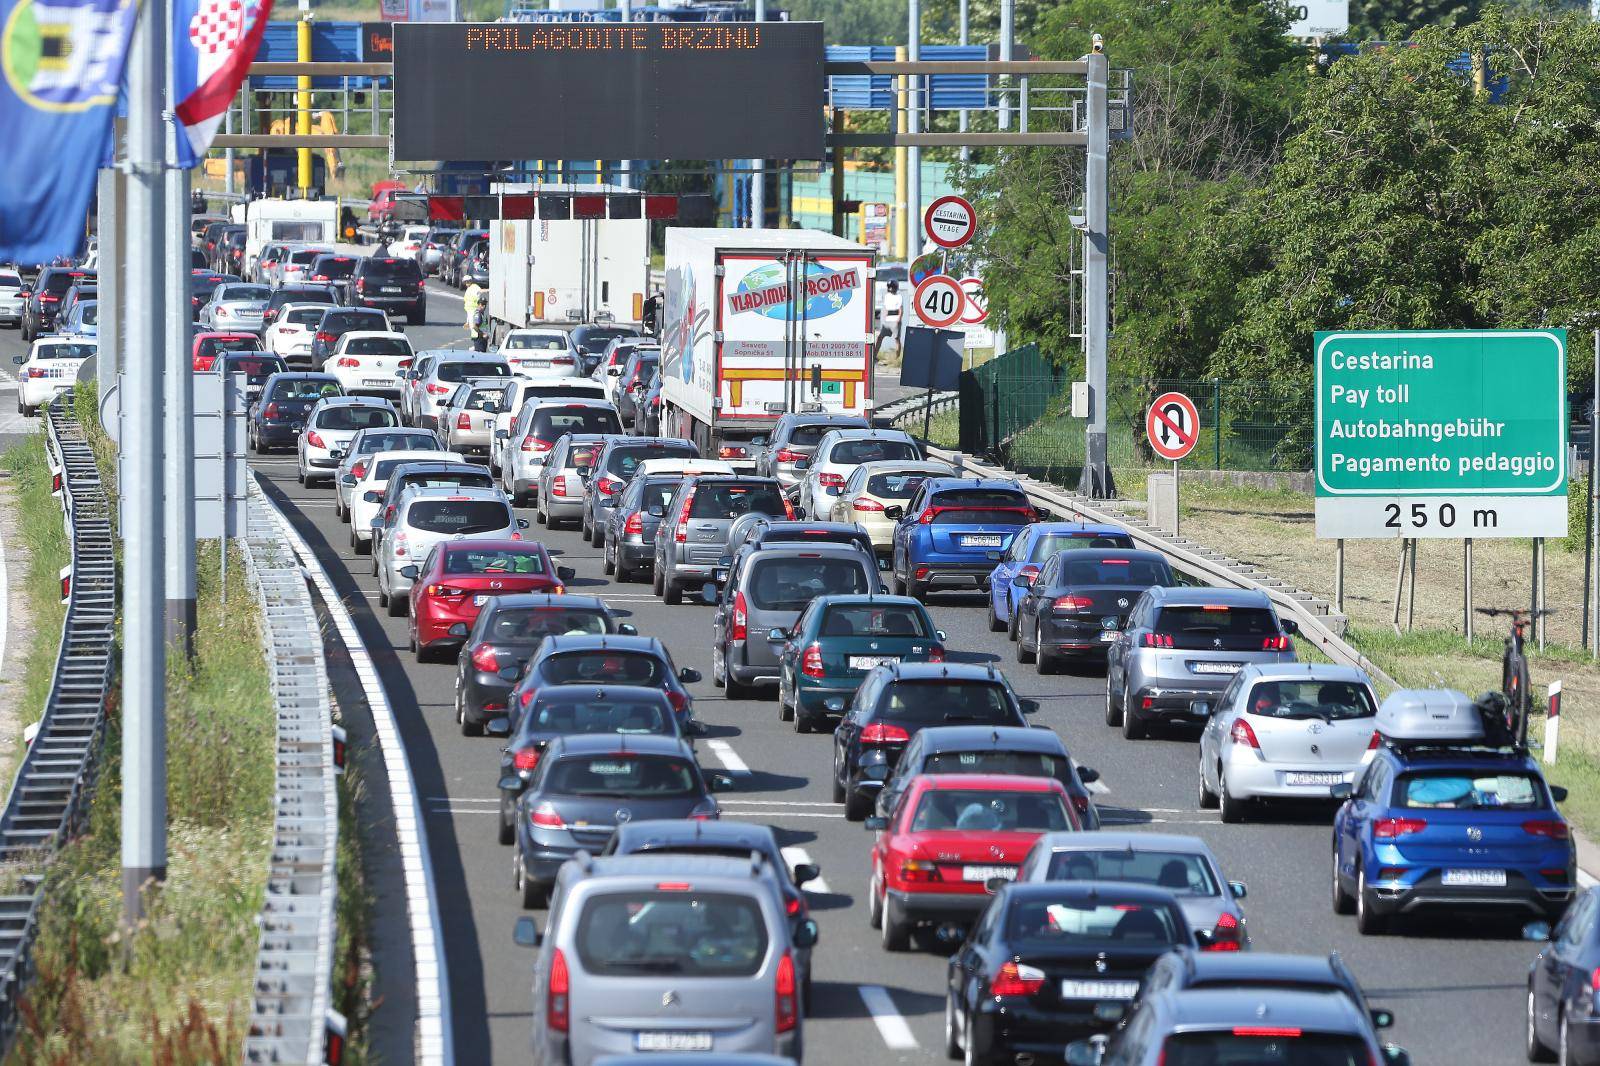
289, 1000
49, 796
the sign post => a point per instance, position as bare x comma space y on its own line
1173, 426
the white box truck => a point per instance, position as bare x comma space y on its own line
299, 221
565, 272
740, 346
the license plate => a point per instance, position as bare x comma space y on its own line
479, 601
377, 381
391, 288
672, 1041
867, 662
1108, 636
1216, 668
984, 873
1099, 989
1293, 778
982, 542
1475, 878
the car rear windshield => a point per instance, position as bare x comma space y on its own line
1116, 571
1463, 790
386, 467
486, 399
349, 321
583, 455
789, 583
466, 371
872, 451
1309, 698
377, 346
644, 366
389, 270
1278, 1047
258, 293
459, 516
624, 775
809, 435
334, 267
604, 666
871, 621
895, 486
980, 507
303, 296
594, 338
305, 389
622, 715
657, 494
255, 367
730, 499
1182, 873
447, 479
1019, 763
304, 316
1201, 628
356, 418
536, 342
536, 623
624, 459
1047, 546
304, 256
494, 561
550, 423
211, 347
1042, 922
672, 935
939, 702
985, 810
10, 281
64, 351
410, 440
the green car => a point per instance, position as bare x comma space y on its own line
836, 640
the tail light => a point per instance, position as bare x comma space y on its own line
558, 485
345, 360
811, 666
270, 411
545, 817
326, 338
1241, 733
634, 526
361, 284
314, 439
741, 615
1227, 935
1394, 828
1072, 604
404, 364
359, 470
608, 485
400, 544
884, 733
1277, 643
202, 363
446, 590
788, 508
437, 389
530, 443
463, 421
527, 696
681, 534
1082, 804
862, 503
919, 871
319, 277
562, 360
557, 1014
1158, 640
526, 759
731, 451
679, 701
1555, 830
786, 455
221, 311
794, 907
1594, 980
486, 659
1267, 1031
1016, 979
830, 481
785, 1013
1377, 738
936, 654
1031, 570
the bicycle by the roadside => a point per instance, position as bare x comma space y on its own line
1514, 683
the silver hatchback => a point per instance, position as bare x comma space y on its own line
466, 424
664, 954
693, 534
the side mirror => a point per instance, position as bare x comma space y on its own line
877, 771
708, 593
502, 434
1029, 706
689, 675
655, 510
938, 634
348, 479
1342, 791
1558, 793
1079, 1052
894, 512
628, 629
995, 884
1200, 708
370, 497
1536, 931
498, 727
522, 523
777, 636
802, 464
1088, 775
1022, 580
565, 573
876, 823
806, 935
1238, 889
1203, 939
1290, 626
16, 360
510, 783
720, 782
526, 933
459, 629
806, 871
758, 442
376, 523
410, 571
337, 453
1396, 1056
1381, 1019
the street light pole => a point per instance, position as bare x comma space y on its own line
179, 424
914, 103
1095, 481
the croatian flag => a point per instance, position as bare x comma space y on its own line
214, 43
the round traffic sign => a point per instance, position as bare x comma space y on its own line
1173, 425
977, 309
939, 300
950, 221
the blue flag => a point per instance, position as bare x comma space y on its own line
62, 62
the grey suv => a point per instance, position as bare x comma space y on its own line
692, 537
564, 478
664, 953
617, 462
767, 588
1184, 644
794, 440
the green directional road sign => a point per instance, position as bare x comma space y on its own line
1447, 433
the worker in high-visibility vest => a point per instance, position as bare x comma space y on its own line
476, 301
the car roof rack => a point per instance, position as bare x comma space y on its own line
1441, 749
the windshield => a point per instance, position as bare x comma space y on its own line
464, 371
304, 316
484, 400
377, 346
871, 451
604, 716
1327, 700
64, 351
604, 666
459, 516
895, 486
536, 623
550, 423
257, 293
868, 620
1459, 790
1217, 627
1041, 922
938, 702
1115, 571
409, 440
1019, 763
685, 934
623, 460
305, 389
788, 584
1048, 545
1286, 1047
254, 367
356, 418
730, 499
538, 342
494, 561
623, 775
1180, 872
989, 811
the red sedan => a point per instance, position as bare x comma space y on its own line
951, 834
459, 576
207, 346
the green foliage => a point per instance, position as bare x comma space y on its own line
853, 21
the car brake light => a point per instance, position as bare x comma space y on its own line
741, 616
862, 503
1031, 570
345, 360
400, 544
435, 388
558, 487
1280, 1031
884, 733
528, 695
1241, 733
794, 906
319, 277
679, 701
1555, 830
634, 526
270, 411
811, 666
936, 654
731, 451
361, 284
1393, 828
786, 455
1158, 640
545, 817
1072, 604
445, 590
1225, 937
562, 360
788, 508
1377, 738
608, 485
463, 421
1277, 643
785, 1013
830, 480
314, 439
359, 470
919, 871
556, 1003
681, 534
1594, 980
526, 759
1016, 979
485, 658
326, 338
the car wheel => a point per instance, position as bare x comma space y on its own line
469, 728
338, 507
610, 567
730, 684
507, 832
397, 605
856, 806
1368, 920
597, 535
1132, 728
383, 597
896, 931
1113, 711
995, 624
802, 720
672, 595
300, 474
1208, 798
895, 582
1564, 1043
1047, 663
530, 890
971, 1056
917, 592
1535, 1048
1233, 810
1023, 654
838, 789
874, 904
1342, 903
418, 315
655, 582
357, 545
952, 1037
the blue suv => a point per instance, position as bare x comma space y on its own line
954, 531
1443, 827
1029, 550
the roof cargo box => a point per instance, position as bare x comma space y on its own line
1430, 715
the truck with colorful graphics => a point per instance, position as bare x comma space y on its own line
757, 323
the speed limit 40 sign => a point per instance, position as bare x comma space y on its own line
939, 301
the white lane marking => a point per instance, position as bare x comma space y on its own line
799, 857
448, 295
727, 756
893, 1028
1098, 788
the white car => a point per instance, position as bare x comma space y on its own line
838, 454
425, 516
293, 330
411, 240
686, 467
296, 266
330, 425
543, 351
370, 361
353, 458
519, 390
535, 432
51, 367
11, 300
367, 493
1285, 731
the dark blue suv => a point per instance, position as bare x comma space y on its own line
954, 531
1434, 827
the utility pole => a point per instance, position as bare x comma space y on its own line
626, 165
144, 650
914, 125
758, 175
901, 221
111, 193
1095, 481
302, 98
1008, 24
966, 38
179, 425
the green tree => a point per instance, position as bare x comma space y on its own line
853, 21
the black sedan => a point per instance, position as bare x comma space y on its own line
279, 414
1051, 963
1080, 600
575, 710
571, 659
898, 700
508, 630
1563, 1018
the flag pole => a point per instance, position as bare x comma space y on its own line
179, 425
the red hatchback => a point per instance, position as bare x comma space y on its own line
951, 834
207, 346
459, 576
